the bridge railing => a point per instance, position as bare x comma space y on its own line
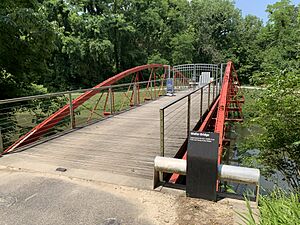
182, 115
199, 73
19, 116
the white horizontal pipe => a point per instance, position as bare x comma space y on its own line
226, 172
239, 174
170, 165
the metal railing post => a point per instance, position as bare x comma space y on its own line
162, 132
214, 87
154, 89
135, 96
1, 142
188, 115
201, 103
72, 119
217, 82
194, 73
151, 88
174, 79
111, 100
221, 75
208, 96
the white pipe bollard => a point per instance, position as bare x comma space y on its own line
225, 172
170, 165
239, 174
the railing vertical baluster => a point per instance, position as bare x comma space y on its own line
1, 142
219, 82
194, 73
111, 100
208, 97
216, 80
162, 132
221, 75
151, 88
162, 140
214, 87
188, 115
138, 94
72, 119
201, 103
135, 96
154, 84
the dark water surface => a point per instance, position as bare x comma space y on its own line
237, 136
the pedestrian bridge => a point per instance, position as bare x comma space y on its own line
113, 131
119, 149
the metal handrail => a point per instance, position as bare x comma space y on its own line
55, 94
179, 99
215, 93
192, 64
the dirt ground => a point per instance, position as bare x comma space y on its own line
194, 211
34, 198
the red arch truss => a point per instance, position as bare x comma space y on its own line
42, 128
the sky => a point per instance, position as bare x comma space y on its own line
257, 7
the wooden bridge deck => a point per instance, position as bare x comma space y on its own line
119, 149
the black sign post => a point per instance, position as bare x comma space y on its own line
202, 165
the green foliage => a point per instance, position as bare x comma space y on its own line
278, 117
216, 26
157, 58
183, 48
83, 47
275, 111
277, 208
280, 40
247, 51
26, 43
249, 217
77, 44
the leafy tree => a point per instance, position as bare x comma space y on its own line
279, 39
26, 43
216, 26
83, 55
277, 113
246, 52
157, 58
278, 107
183, 48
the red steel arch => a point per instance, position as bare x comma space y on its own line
52, 120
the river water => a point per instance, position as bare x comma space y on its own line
237, 136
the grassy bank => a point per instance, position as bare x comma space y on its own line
278, 208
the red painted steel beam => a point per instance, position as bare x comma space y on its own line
52, 120
221, 107
202, 128
221, 114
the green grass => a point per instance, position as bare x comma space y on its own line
121, 100
278, 208
29, 114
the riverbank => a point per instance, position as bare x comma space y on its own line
278, 203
